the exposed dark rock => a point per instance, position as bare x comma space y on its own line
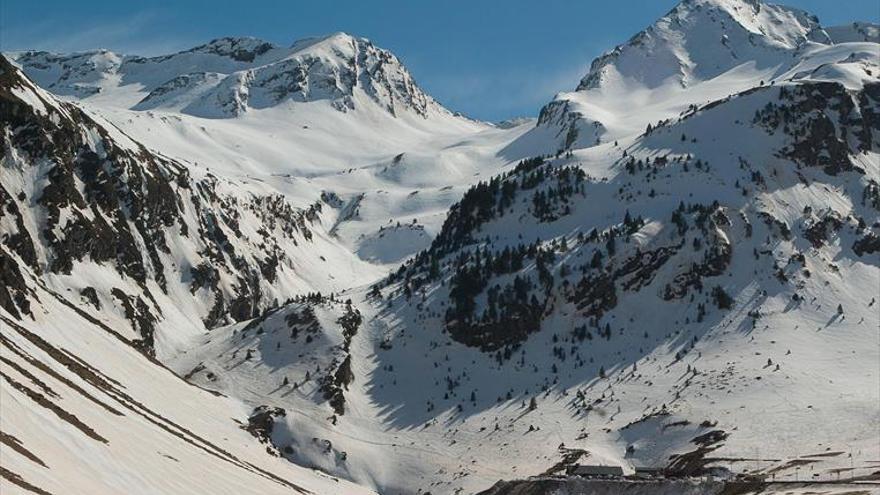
333, 385
142, 320
817, 115
19, 242
595, 295
261, 422
818, 232
14, 292
776, 225
512, 328
117, 205
239, 49
642, 267
715, 262
868, 244
91, 295
341, 374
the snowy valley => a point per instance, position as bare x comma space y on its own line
251, 268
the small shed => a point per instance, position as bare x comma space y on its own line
649, 472
594, 470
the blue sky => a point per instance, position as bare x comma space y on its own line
489, 59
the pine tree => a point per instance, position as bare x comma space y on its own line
375, 293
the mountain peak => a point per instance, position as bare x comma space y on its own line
337, 38
227, 76
78, 74
753, 15
335, 68
700, 39
723, 4
241, 49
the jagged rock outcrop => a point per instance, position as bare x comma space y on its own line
77, 194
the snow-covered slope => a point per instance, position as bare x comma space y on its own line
139, 239
677, 265
332, 115
701, 51
650, 317
111, 255
149, 243
652, 296
228, 76
85, 412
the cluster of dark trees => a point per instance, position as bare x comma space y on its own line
489, 200
512, 310
552, 203
483, 203
705, 216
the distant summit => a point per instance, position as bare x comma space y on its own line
700, 39
699, 51
228, 76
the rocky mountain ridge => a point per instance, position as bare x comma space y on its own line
227, 76
358, 291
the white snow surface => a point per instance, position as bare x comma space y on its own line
338, 121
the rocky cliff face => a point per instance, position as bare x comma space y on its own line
80, 198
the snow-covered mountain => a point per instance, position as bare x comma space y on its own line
101, 239
701, 51
700, 40
639, 304
228, 76
140, 239
402, 156
677, 265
